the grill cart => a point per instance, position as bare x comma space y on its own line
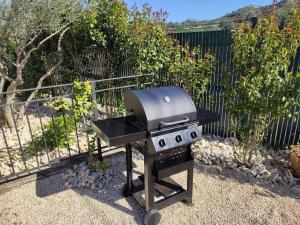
163, 124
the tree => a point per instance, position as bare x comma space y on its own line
262, 88
149, 46
107, 24
25, 27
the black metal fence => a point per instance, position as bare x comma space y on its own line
47, 136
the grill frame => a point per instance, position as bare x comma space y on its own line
158, 165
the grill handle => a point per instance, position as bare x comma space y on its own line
186, 119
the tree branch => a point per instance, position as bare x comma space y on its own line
4, 72
6, 56
39, 45
33, 39
53, 68
6, 77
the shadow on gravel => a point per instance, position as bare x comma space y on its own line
243, 178
111, 194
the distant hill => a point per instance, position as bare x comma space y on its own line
227, 21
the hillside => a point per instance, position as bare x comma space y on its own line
228, 20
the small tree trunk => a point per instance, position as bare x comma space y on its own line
3, 77
10, 99
2, 82
21, 112
44, 77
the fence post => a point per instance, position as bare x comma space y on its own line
254, 21
94, 100
98, 140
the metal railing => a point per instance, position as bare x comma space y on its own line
46, 136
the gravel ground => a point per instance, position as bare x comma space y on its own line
220, 197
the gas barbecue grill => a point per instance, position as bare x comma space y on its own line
162, 124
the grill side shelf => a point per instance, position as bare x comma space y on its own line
118, 131
205, 116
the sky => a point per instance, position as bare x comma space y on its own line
180, 10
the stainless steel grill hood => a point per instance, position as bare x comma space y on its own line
160, 107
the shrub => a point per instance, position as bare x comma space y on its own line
262, 87
191, 70
97, 166
55, 135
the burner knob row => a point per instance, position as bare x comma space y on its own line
178, 139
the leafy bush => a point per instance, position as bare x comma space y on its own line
97, 166
149, 44
262, 88
81, 106
56, 134
191, 71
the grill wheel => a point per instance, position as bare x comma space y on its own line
152, 217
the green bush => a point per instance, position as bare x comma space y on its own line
97, 166
56, 134
264, 88
191, 70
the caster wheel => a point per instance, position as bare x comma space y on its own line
152, 217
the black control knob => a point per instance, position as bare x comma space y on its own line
194, 134
162, 143
178, 138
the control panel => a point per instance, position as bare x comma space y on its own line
174, 139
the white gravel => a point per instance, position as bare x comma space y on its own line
220, 197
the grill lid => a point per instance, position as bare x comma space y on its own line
160, 107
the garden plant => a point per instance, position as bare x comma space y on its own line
263, 86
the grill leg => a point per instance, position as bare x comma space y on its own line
99, 148
128, 186
149, 181
189, 200
190, 174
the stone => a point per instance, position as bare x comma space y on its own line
245, 169
274, 171
276, 178
289, 174
265, 173
253, 172
81, 177
231, 166
217, 161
